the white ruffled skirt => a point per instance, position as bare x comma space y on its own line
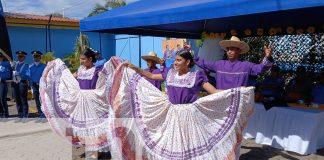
148, 126
80, 116
137, 121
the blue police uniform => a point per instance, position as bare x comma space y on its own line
100, 62
35, 73
20, 86
4, 75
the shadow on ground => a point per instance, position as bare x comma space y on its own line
264, 153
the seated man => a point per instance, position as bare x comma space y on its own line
318, 89
252, 80
299, 88
272, 88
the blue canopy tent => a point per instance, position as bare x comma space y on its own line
189, 18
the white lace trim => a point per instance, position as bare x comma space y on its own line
232, 72
86, 74
187, 80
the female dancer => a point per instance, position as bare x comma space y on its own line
76, 104
178, 125
182, 84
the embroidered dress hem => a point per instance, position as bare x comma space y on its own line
151, 127
80, 116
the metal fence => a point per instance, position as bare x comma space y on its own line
289, 52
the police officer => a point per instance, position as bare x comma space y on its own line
100, 60
20, 84
4, 75
35, 73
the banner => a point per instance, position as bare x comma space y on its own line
170, 49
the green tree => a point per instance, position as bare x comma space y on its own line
73, 60
110, 4
97, 9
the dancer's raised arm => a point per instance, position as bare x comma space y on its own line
143, 72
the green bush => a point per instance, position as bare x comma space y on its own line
49, 56
73, 60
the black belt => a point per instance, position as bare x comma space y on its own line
23, 81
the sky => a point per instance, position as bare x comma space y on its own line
76, 9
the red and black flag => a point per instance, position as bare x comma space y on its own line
4, 38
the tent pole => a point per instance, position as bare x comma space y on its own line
205, 22
140, 51
100, 43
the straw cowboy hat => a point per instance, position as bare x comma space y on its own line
151, 56
235, 42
